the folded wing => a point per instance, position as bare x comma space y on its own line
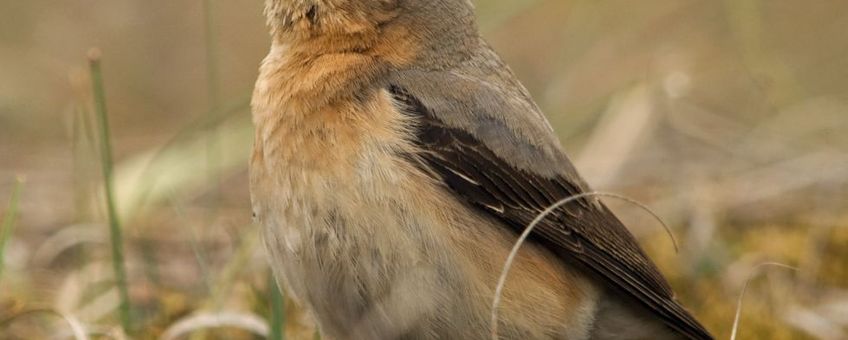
583, 232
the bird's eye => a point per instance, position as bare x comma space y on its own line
312, 14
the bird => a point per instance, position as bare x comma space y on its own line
396, 160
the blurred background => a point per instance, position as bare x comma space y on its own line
727, 118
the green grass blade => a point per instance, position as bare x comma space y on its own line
213, 86
9, 221
278, 312
211, 50
115, 230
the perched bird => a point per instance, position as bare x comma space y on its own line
397, 159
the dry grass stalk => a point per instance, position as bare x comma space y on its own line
527, 231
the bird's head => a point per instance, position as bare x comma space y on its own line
428, 21
317, 17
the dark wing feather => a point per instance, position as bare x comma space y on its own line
584, 232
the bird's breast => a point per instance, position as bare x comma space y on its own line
369, 243
331, 190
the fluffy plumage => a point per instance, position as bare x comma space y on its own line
397, 157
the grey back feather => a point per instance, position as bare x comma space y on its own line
480, 95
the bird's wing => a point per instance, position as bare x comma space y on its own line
488, 163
